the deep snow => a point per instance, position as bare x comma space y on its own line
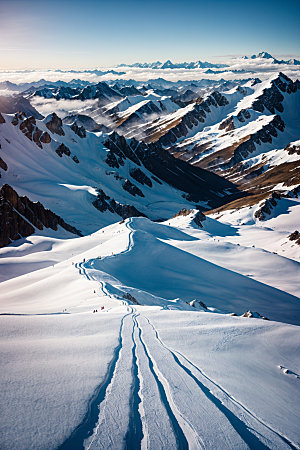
213, 380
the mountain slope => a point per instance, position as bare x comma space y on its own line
80, 175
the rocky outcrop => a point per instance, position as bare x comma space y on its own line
2, 120
256, 315
131, 298
45, 138
3, 164
120, 149
62, 149
295, 236
80, 131
105, 203
227, 124
140, 177
243, 115
54, 124
266, 207
199, 218
272, 97
18, 117
132, 188
19, 217
198, 304
183, 212
29, 128
293, 149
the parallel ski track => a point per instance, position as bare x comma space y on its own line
134, 435
182, 443
237, 423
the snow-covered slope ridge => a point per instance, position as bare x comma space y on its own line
102, 379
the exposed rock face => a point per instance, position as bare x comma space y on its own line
120, 149
29, 128
54, 124
198, 184
256, 315
105, 203
62, 149
3, 164
31, 131
131, 298
80, 131
248, 146
272, 97
132, 189
227, 124
295, 236
293, 149
198, 304
2, 120
199, 218
19, 216
244, 115
45, 138
192, 118
139, 176
267, 206
19, 116
183, 212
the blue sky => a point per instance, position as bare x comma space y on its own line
66, 34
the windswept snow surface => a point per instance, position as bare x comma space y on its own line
148, 370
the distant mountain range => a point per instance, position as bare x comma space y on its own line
265, 55
169, 65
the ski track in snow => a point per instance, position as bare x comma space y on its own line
234, 420
185, 434
252, 430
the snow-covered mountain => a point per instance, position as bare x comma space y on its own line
266, 55
169, 65
103, 176
150, 263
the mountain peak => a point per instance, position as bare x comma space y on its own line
264, 55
